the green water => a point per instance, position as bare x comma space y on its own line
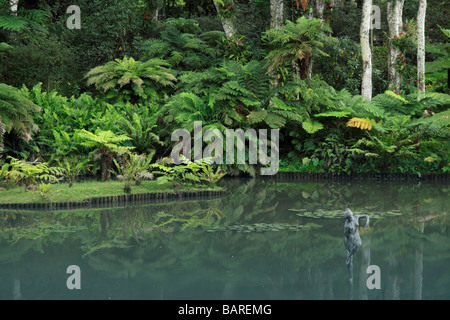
248, 245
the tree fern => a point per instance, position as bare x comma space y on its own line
102, 139
24, 19
141, 78
105, 144
295, 42
182, 45
432, 100
436, 126
16, 114
141, 129
387, 104
256, 116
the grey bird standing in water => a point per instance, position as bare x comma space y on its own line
352, 240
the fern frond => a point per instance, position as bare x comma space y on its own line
33, 18
312, 126
335, 114
256, 116
363, 124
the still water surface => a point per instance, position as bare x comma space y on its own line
264, 240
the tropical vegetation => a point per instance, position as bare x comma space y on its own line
103, 101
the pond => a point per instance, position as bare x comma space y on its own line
264, 240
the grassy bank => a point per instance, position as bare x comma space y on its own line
80, 191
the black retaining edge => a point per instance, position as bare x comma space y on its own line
112, 201
356, 176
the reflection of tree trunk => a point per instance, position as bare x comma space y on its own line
17, 293
418, 270
102, 224
363, 271
393, 292
318, 280
228, 288
105, 216
350, 291
418, 274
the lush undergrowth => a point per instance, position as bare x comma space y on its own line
112, 112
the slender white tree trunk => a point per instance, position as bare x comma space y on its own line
276, 14
13, 6
421, 48
227, 22
394, 17
309, 57
320, 7
364, 34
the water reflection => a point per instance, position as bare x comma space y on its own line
248, 245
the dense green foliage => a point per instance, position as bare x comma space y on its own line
138, 70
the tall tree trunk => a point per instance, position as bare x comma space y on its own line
320, 6
364, 34
421, 48
276, 14
307, 62
276, 21
13, 7
227, 22
394, 17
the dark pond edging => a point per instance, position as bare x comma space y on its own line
112, 201
303, 176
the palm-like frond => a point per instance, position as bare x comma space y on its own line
16, 113
183, 45
101, 139
24, 19
295, 40
128, 72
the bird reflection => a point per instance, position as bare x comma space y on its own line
352, 240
